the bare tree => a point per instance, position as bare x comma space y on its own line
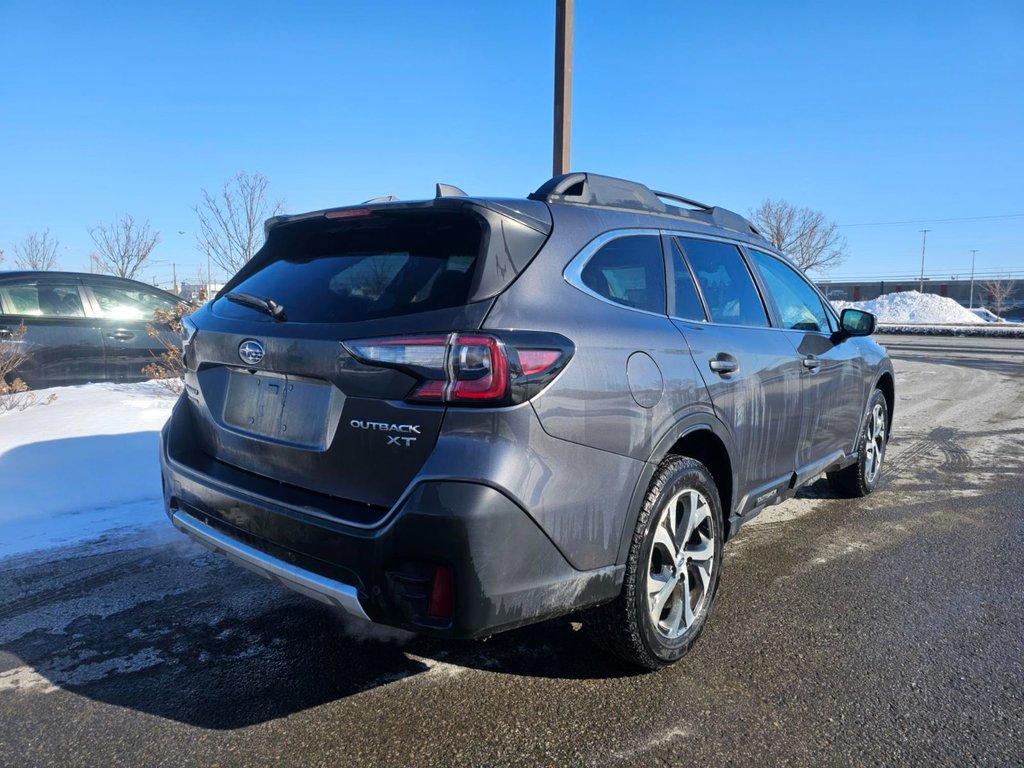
231, 223
124, 246
804, 235
999, 292
38, 251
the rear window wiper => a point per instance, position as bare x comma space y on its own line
269, 306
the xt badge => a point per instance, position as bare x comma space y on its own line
397, 434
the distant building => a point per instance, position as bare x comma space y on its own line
958, 290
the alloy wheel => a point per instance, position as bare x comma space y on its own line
874, 443
680, 564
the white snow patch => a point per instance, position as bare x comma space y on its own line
914, 307
77, 671
438, 668
25, 680
81, 467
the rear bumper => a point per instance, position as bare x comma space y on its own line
505, 570
343, 596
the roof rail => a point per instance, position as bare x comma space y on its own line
683, 200
593, 189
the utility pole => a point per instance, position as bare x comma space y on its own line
174, 270
563, 85
974, 251
924, 240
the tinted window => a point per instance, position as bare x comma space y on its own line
629, 271
130, 303
41, 299
798, 303
688, 304
725, 281
382, 266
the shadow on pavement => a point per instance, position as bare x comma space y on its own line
227, 650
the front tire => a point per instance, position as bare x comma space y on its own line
672, 570
861, 478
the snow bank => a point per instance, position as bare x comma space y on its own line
82, 466
914, 307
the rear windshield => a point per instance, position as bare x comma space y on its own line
381, 266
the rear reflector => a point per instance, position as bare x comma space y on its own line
442, 603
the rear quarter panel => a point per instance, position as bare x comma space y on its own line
630, 382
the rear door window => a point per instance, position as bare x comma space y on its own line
629, 271
383, 266
41, 299
688, 305
799, 305
128, 302
725, 282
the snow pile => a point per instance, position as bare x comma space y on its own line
914, 307
83, 466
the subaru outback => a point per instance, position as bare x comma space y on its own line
462, 415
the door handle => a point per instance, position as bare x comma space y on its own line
121, 335
723, 364
811, 363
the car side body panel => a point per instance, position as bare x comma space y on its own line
70, 349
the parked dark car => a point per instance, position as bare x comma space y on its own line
463, 415
81, 327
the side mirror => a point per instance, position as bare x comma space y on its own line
856, 322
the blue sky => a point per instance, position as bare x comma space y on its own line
870, 112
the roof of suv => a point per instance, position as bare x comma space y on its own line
588, 190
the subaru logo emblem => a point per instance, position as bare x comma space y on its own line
251, 351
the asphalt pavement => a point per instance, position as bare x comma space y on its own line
878, 631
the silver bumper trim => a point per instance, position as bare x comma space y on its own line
312, 585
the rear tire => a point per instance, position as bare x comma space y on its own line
861, 477
671, 572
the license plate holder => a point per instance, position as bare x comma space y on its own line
279, 408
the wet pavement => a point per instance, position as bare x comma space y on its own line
885, 630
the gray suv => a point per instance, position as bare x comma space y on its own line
463, 415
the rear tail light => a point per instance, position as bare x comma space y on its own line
470, 368
537, 360
479, 369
